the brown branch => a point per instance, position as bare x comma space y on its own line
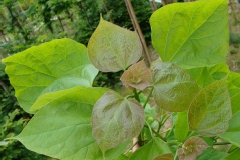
153, 5
7, 90
164, 2
139, 31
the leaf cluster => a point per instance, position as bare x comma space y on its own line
191, 88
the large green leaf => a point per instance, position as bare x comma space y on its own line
207, 75
210, 111
52, 66
112, 48
233, 155
115, 120
62, 129
192, 34
211, 154
151, 150
233, 132
233, 82
172, 85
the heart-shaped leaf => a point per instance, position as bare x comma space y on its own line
112, 48
136, 76
52, 66
62, 128
191, 148
115, 119
172, 85
210, 111
149, 151
192, 34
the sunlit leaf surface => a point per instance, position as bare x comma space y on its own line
53, 66
192, 34
62, 128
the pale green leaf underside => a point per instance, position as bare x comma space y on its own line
52, 66
191, 34
172, 85
210, 111
55, 98
115, 120
112, 48
151, 150
62, 129
233, 132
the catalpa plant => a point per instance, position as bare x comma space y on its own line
191, 88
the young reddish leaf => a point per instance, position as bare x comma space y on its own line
210, 111
115, 120
167, 156
136, 76
191, 148
174, 88
112, 48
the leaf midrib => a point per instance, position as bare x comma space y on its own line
192, 33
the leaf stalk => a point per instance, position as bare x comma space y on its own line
149, 95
